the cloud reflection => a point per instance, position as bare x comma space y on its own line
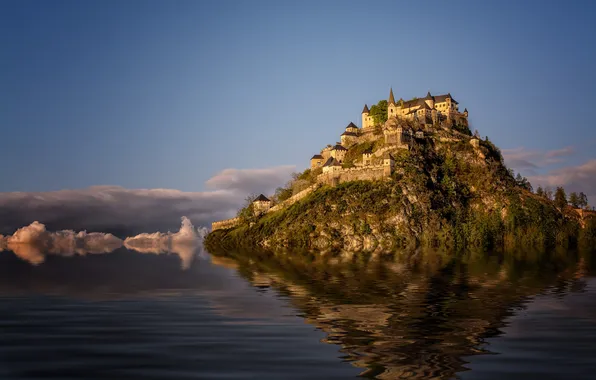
34, 242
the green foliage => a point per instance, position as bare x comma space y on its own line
379, 112
462, 129
246, 213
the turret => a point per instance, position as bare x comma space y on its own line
429, 100
366, 119
388, 164
261, 205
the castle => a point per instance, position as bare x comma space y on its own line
407, 122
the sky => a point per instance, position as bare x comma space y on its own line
199, 96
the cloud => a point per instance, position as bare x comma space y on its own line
573, 178
530, 159
125, 212
251, 180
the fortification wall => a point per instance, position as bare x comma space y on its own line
379, 152
294, 198
367, 173
223, 224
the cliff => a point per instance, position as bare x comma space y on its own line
447, 189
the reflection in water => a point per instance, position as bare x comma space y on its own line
411, 317
33, 242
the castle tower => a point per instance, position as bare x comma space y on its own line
261, 205
388, 165
366, 119
429, 100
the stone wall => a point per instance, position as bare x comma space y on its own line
294, 198
387, 148
366, 173
223, 224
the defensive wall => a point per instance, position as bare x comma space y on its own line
366, 173
294, 198
223, 224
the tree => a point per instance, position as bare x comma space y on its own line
540, 192
583, 200
247, 212
379, 112
523, 182
574, 200
560, 198
548, 193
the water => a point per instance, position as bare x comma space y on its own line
262, 316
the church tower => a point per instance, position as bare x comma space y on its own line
391, 106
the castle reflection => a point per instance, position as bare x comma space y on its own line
414, 315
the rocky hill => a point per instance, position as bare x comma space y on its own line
448, 189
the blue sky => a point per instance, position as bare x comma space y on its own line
167, 94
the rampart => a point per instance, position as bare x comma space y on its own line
223, 224
366, 173
294, 198
388, 148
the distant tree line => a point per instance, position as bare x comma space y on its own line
559, 196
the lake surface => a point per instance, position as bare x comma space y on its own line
298, 316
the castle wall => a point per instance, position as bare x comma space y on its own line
294, 198
380, 152
367, 173
223, 224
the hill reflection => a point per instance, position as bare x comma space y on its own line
414, 316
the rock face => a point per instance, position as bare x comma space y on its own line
446, 190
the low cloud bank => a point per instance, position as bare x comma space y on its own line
34, 242
124, 212
530, 160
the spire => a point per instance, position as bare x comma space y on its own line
365, 110
391, 98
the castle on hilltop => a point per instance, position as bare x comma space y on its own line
428, 111
367, 153
406, 122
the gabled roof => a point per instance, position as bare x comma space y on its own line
365, 110
317, 157
339, 147
428, 96
351, 125
331, 162
262, 198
